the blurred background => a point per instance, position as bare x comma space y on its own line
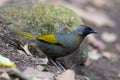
104, 56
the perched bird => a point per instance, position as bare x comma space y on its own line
60, 44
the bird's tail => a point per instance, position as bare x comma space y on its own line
25, 34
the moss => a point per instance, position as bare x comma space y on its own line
40, 17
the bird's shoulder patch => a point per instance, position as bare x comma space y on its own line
49, 38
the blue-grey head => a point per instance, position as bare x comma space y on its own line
84, 30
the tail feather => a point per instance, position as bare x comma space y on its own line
25, 34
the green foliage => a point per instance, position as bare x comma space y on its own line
40, 18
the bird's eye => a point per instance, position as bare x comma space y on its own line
80, 33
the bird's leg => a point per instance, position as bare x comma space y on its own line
53, 61
73, 66
60, 65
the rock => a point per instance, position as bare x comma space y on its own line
109, 37
31, 72
94, 55
4, 76
40, 68
67, 75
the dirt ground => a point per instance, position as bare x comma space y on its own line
104, 68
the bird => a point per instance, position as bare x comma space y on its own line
56, 45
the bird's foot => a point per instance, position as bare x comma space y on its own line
61, 66
57, 65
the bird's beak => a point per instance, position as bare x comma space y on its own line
93, 31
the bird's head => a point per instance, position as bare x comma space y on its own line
84, 30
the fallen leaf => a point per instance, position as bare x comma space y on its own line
109, 55
5, 62
25, 47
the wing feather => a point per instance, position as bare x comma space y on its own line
49, 38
